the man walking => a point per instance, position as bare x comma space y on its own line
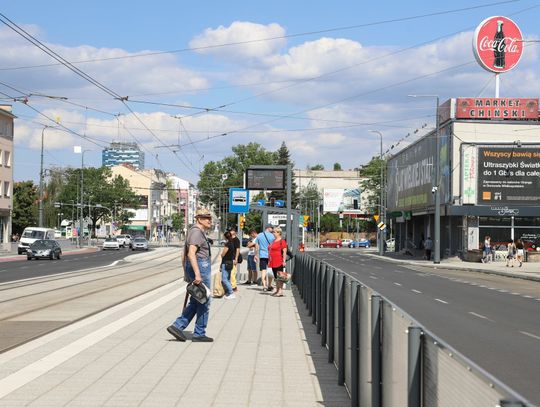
236, 268
264, 239
428, 246
197, 268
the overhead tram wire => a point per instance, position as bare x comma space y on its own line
280, 37
80, 73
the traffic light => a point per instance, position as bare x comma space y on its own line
306, 220
242, 221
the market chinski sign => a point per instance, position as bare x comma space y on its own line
509, 175
497, 108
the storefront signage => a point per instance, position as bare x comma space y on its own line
509, 175
497, 108
497, 44
504, 211
469, 179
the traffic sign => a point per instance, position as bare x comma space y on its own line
238, 200
376, 217
381, 225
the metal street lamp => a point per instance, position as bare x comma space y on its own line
380, 233
79, 150
41, 176
436, 185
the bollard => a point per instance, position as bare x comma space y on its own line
414, 367
355, 344
376, 361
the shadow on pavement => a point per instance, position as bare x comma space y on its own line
333, 395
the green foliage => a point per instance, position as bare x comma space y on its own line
283, 157
316, 167
177, 221
337, 167
372, 185
25, 204
330, 223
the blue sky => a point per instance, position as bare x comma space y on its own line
337, 83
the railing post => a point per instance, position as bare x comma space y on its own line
376, 360
318, 300
324, 304
316, 293
341, 329
331, 319
355, 344
414, 383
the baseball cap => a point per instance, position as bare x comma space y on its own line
269, 225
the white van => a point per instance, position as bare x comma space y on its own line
31, 234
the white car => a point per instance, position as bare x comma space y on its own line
124, 240
111, 243
346, 242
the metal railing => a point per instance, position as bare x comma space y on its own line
382, 355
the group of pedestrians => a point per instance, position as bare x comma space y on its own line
268, 248
515, 251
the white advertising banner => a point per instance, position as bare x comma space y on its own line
332, 199
469, 176
473, 237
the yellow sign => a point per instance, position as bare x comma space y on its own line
376, 217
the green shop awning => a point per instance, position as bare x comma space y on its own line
134, 227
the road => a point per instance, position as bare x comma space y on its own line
18, 270
492, 320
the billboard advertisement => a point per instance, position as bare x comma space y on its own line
509, 175
341, 200
497, 108
411, 173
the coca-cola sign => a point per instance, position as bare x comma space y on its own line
498, 44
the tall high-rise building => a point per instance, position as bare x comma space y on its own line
123, 153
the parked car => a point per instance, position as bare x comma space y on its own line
532, 246
124, 240
111, 243
139, 243
333, 243
346, 242
362, 242
44, 249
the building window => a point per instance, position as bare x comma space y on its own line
1, 158
7, 192
7, 159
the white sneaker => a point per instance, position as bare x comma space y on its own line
230, 297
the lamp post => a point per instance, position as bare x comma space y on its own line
380, 233
41, 174
436, 184
79, 150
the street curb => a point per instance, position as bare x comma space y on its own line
20, 257
450, 267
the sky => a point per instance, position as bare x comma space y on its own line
189, 80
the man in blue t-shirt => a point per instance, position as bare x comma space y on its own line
263, 240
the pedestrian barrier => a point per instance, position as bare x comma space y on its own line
382, 355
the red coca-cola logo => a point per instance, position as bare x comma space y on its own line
497, 44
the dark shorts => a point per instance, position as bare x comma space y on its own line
276, 269
263, 264
252, 266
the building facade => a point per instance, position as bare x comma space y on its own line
488, 152
123, 153
6, 175
187, 199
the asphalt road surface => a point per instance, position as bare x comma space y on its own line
20, 270
492, 320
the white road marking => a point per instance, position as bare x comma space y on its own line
515, 293
531, 335
438, 299
398, 284
480, 316
502, 291
373, 277
34, 370
416, 291
527, 296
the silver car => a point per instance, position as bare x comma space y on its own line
139, 243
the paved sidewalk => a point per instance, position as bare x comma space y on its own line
528, 271
266, 353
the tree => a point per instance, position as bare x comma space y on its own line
25, 205
214, 190
329, 223
316, 167
337, 167
372, 182
283, 157
99, 187
177, 221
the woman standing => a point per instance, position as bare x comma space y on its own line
227, 264
520, 250
510, 257
487, 250
278, 255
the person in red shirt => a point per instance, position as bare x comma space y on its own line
278, 255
